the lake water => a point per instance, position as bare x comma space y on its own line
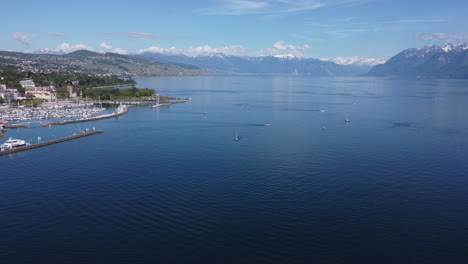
171, 185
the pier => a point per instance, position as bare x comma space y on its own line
138, 101
17, 125
50, 142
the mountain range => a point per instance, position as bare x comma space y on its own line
264, 65
364, 63
449, 61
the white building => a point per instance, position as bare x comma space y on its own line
28, 84
11, 94
46, 88
44, 95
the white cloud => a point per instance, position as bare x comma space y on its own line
155, 49
304, 5
144, 35
120, 51
281, 46
108, 47
243, 4
271, 7
105, 45
275, 7
412, 21
347, 32
351, 26
347, 19
198, 50
228, 50
452, 37
56, 34
239, 7
65, 47
280, 49
22, 37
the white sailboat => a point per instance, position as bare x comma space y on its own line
237, 137
157, 103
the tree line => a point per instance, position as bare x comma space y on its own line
108, 93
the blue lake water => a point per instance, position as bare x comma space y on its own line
171, 185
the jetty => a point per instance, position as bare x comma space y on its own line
17, 125
50, 142
136, 101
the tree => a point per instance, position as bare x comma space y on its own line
62, 92
20, 88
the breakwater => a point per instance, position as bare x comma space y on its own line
170, 100
50, 142
17, 125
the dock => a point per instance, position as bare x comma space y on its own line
50, 142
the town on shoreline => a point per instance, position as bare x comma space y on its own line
62, 98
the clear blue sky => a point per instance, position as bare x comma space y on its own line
309, 28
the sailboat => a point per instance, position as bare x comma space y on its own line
237, 137
157, 103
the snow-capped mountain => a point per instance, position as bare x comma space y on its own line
287, 64
449, 61
356, 60
286, 56
457, 48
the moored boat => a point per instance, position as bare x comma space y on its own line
13, 143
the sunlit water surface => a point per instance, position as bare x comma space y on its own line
171, 185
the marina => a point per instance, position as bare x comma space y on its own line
121, 110
55, 114
75, 115
55, 111
71, 112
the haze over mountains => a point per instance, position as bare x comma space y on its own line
264, 65
449, 61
